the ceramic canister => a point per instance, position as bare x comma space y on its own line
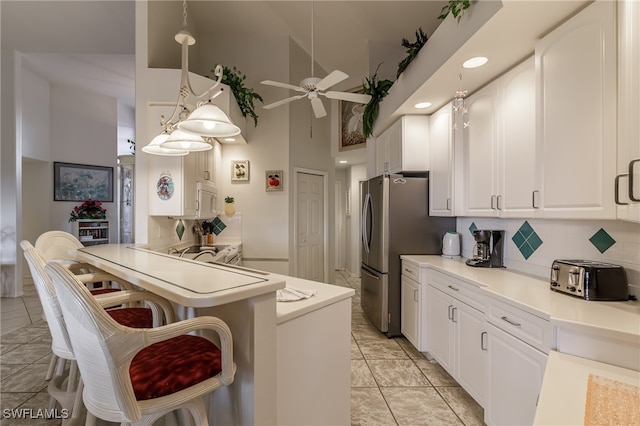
451, 244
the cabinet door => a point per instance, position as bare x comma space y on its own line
204, 165
518, 171
395, 147
515, 377
441, 328
410, 312
479, 152
471, 350
576, 66
382, 154
627, 182
442, 163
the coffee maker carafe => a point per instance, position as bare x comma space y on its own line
489, 249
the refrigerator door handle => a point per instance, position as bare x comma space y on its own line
365, 231
364, 271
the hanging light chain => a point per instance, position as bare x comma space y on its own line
184, 14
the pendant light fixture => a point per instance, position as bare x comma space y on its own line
195, 118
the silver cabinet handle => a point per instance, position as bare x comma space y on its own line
415, 295
483, 335
493, 198
450, 312
512, 322
534, 199
616, 189
453, 314
632, 163
498, 199
449, 204
453, 288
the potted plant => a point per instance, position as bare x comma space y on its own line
245, 96
378, 89
90, 209
229, 207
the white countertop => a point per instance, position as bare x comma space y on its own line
563, 395
619, 320
187, 282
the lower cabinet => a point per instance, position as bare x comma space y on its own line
457, 333
410, 314
516, 372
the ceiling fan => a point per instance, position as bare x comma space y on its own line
313, 87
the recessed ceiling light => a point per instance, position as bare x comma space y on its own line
476, 62
230, 139
421, 105
342, 161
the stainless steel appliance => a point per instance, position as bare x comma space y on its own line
589, 280
395, 221
489, 249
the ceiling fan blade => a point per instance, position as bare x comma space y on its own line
351, 97
283, 85
334, 77
318, 108
283, 101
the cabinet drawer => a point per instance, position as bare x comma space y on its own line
523, 325
411, 270
463, 291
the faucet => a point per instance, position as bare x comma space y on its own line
184, 251
172, 250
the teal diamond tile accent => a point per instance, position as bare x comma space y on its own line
526, 240
218, 225
180, 229
602, 241
473, 227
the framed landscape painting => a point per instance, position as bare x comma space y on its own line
80, 182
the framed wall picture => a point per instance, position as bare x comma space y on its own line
273, 180
350, 124
239, 171
79, 182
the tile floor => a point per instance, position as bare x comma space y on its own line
391, 382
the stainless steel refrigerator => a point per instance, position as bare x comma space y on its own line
395, 221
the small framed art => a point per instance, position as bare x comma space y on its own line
239, 171
273, 180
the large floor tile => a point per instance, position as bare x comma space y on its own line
26, 354
368, 408
366, 332
395, 372
419, 406
408, 347
28, 379
381, 349
361, 376
435, 373
355, 351
467, 409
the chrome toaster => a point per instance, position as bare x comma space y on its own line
589, 280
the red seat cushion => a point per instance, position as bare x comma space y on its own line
133, 317
104, 291
175, 364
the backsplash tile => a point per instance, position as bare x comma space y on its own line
563, 239
180, 229
526, 240
472, 227
218, 225
602, 241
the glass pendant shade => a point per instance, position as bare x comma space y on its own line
154, 147
179, 139
208, 120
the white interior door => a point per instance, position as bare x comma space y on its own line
310, 225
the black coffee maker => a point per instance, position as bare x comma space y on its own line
489, 249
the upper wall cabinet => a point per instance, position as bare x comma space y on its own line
576, 84
441, 154
404, 147
627, 183
499, 147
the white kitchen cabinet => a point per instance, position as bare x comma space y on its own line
442, 170
457, 332
410, 312
499, 147
413, 298
576, 85
403, 147
627, 183
518, 343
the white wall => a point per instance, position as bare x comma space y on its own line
35, 112
561, 239
357, 174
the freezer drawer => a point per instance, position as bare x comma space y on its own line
375, 297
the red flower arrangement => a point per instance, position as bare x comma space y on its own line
90, 209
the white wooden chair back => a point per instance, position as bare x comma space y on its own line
55, 245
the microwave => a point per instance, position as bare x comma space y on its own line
207, 200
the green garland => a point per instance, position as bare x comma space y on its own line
245, 96
378, 89
412, 50
456, 8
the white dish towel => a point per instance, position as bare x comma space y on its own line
290, 294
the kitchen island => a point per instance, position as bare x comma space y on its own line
313, 333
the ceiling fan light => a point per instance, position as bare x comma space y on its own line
181, 140
154, 147
210, 121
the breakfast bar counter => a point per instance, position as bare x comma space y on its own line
293, 358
